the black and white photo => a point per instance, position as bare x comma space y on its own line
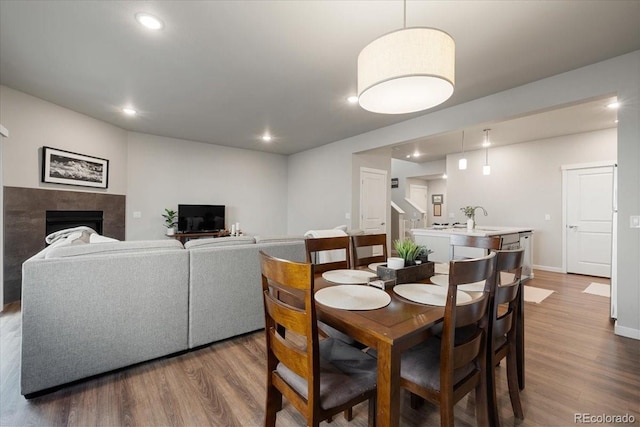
65, 167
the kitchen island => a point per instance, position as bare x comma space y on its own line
437, 240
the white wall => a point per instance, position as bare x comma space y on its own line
165, 172
35, 123
526, 184
325, 171
405, 171
3, 133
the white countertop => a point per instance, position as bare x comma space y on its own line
480, 230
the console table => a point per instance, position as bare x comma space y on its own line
185, 237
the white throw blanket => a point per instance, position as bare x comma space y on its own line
63, 234
328, 256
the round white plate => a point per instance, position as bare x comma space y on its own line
348, 277
353, 297
374, 265
428, 294
443, 280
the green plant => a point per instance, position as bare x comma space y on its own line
407, 249
470, 211
169, 217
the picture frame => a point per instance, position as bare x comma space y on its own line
437, 199
68, 168
437, 210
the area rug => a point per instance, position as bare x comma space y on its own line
598, 289
536, 295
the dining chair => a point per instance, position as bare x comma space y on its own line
320, 378
503, 330
363, 247
328, 253
443, 370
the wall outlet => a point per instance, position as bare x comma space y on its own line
137, 214
634, 221
452, 215
347, 215
547, 217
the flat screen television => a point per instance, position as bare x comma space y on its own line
200, 218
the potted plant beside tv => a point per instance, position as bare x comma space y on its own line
170, 221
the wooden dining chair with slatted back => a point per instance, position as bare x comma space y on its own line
364, 246
328, 253
444, 370
503, 330
320, 378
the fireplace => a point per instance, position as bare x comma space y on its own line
59, 220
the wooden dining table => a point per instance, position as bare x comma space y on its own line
390, 330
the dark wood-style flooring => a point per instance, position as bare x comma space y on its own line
574, 364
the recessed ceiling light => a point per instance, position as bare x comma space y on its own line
129, 111
352, 99
266, 137
416, 154
486, 143
149, 21
408, 156
613, 105
444, 176
615, 121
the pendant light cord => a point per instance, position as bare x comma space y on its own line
405, 14
463, 143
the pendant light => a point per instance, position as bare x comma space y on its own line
486, 169
407, 70
462, 163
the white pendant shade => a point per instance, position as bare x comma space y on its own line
462, 164
406, 71
486, 170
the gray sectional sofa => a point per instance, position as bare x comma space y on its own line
89, 309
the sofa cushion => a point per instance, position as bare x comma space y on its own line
219, 241
113, 247
278, 239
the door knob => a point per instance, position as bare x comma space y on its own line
573, 226
382, 223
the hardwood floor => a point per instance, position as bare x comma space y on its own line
574, 364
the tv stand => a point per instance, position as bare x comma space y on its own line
185, 237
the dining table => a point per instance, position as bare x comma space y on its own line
390, 330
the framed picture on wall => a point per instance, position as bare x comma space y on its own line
437, 210
437, 199
65, 167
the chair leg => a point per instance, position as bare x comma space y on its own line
512, 381
415, 401
492, 402
348, 414
373, 407
274, 404
446, 415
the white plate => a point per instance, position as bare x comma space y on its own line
443, 280
348, 277
428, 294
374, 265
353, 297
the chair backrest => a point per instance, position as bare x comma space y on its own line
508, 272
482, 242
470, 347
363, 247
302, 357
328, 253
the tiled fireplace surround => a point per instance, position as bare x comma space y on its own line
24, 224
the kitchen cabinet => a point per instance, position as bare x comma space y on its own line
437, 240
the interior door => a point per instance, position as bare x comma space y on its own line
373, 200
589, 201
418, 195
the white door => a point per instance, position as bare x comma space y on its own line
373, 200
418, 195
589, 213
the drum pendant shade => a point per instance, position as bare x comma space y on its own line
406, 71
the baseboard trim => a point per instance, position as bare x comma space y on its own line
547, 268
623, 331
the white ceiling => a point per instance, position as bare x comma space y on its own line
225, 72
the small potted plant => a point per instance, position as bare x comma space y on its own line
407, 250
170, 220
470, 213
423, 255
